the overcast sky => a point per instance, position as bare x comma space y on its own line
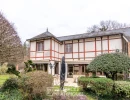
62, 17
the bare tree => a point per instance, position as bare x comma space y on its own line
106, 25
26, 50
11, 49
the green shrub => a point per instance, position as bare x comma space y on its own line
32, 85
9, 84
12, 70
3, 70
120, 76
13, 94
122, 89
101, 86
29, 66
67, 96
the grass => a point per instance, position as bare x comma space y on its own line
3, 78
77, 90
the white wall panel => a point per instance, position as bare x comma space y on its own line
47, 45
88, 58
98, 45
33, 46
56, 54
53, 44
62, 48
90, 54
105, 44
53, 53
75, 55
39, 54
46, 53
81, 48
75, 47
56, 46
47, 58
115, 44
90, 46
81, 55
68, 55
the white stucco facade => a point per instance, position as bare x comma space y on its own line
83, 51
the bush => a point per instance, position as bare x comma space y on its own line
36, 83
3, 70
64, 96
13, 94
122, 89
12, 70
120, 76
28, 66
9, 84
32, 86
98, 85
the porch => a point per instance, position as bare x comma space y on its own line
46, 67
76, 70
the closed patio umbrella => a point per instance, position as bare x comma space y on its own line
62, 73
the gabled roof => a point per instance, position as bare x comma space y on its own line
47, 34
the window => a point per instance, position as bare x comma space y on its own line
68, 48
40, 46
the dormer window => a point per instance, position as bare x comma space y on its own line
40, 46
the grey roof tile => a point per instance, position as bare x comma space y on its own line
43, 35
124, 31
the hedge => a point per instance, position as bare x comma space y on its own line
101, 86
122, 88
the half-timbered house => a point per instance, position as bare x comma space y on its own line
79, 50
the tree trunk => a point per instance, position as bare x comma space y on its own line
107, 75
114, 76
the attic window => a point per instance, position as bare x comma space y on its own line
40, 46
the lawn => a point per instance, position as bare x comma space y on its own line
76, 90
3, 78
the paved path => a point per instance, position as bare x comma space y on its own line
69, 82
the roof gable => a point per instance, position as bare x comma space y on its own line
46, 34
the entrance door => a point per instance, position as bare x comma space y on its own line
56, 69
70, 71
